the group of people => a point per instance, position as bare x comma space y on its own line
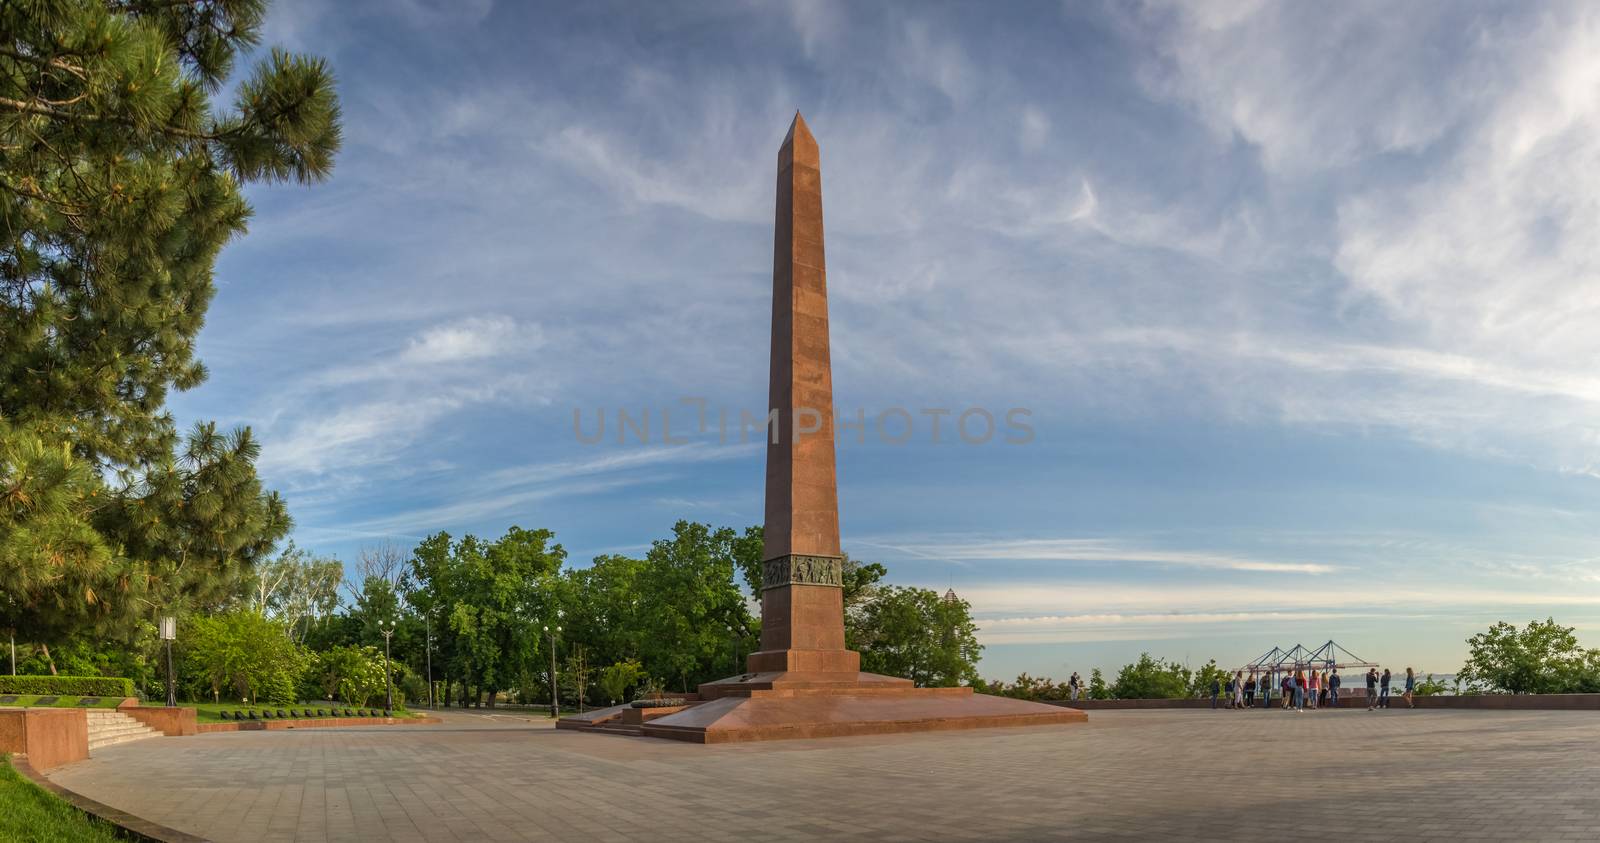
1302, 689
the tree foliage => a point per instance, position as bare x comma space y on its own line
1150, 678
119, 185
120, 182
1542, 658
618, 677
297, 588
1200, 681
916, 634
349, 673
241, 655
57, 573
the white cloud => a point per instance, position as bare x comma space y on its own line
1317, 87
468, 339
1034, 130
1100, 550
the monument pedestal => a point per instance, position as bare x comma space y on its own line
788, 705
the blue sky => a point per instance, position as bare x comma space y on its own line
1302, 301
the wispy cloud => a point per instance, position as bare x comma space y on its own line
1104, 551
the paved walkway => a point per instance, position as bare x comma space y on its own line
1182, 775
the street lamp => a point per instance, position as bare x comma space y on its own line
386, 628
555, 699
427, 627
169, 631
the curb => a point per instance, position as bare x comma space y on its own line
134, 827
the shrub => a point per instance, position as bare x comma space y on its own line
353, 674
67, 686
243, 655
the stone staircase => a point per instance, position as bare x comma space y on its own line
108, 728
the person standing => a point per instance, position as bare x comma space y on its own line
1074, 686
1411, 687
1238, 689
1250, 690
1216, 690
1287, 689
1299, 690
1372, 688
1311, 692
1333, 688
1383, 690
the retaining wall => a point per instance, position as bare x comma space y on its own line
48, 737
168, 721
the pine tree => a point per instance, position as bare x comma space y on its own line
120, 182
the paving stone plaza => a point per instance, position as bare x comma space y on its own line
1181, 775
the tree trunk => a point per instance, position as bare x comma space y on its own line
52, 662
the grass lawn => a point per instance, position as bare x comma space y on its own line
35, 816
211, 712
64, 702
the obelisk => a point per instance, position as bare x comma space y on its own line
802, 601
803, 683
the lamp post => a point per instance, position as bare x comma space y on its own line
169, 631
387, 630
427, 626
555, 699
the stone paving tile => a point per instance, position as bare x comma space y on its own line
1185, 775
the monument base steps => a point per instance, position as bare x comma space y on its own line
764, 715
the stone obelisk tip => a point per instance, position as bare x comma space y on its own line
799, 147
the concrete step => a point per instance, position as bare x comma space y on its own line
109, 728
116, 731
101, 743
616, 729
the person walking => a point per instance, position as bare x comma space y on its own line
1333, 688
1250, 691
1383, 690
1372, 688
1411, 687
1216, 690
1311, 693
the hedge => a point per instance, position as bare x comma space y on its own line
67, 686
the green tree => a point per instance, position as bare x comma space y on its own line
120, 183
197, 523
916, 634
1542, 658
1097, 686
487, 603
243, 654
1200, 681
617, 678
353, 674
1431, 687
691, 601
57, 573
297, 588
1150, 678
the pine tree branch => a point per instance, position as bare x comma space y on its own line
48, 111
40, 61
